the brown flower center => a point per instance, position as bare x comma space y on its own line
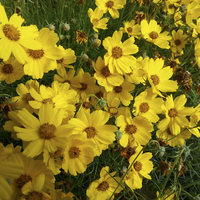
86, 105
137, 166
60, 61
7, 69
67, 81
83, 86
172, 64
82, 35
177, 42
130, 129
155, 79
105, 71
22, 180
74, 152
36, 54
103, 186
91, 132
172, 112
95, 21
28, 97
118, 89
99, 94
144, 107
47, 131
109, 4
34, 195
116, 52
11, 32
153, 35
49, 100
129, 29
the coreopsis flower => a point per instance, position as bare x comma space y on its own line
178, 41
118, 57
122, 92
24, 94
158, 76
177, 18
45, 133
152, 33
104, 187
104, 77
14, 37
138, 128
44, 59
11, 71
95, 18
78, 153
175, 113
110, 6
94, 127
81, 37
131, 29
147, 105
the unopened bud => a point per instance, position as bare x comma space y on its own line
66, 27
96, 43
51, 27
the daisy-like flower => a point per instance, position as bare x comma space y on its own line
11, 71
151, 32
122, 92
131, 29
43, 60
178, 41
104, 187
43, 133
137, 128
93, 126
104, 77
175, 114
118, 57
147, 105
78, 153
14, 37
81, 37
95, 18
111, 6
158, 76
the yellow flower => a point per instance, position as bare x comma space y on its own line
178, 41
168, 195
118, 57
11, 71
95, 18
151, 32
78, 153
104, 187
14, 37
111, 6
43, 60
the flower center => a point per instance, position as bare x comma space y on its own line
34, 195
144, 107
67, 81
105, 71
49, 100
110, 4
129, 29
60, 61
172, 64
172, 112
7, 69
153, 35
137, 166
177, 42
28, 97
86, 105
82, 35
95, 21
47, 131
22, 180
74, 152
91, 132
11, 32
83, 86
116, 52
118, 89
103, 186
130, 129
99, 94
113, 110
155, 79
36, 54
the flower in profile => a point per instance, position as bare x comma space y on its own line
178, 41
118, 57
151, 32
111, 6
140, 16
95, 18
81, 37
104, 187
14, 37
11, 71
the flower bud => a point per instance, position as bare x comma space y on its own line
66, 27
51, 27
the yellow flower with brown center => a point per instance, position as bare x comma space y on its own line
81, 37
